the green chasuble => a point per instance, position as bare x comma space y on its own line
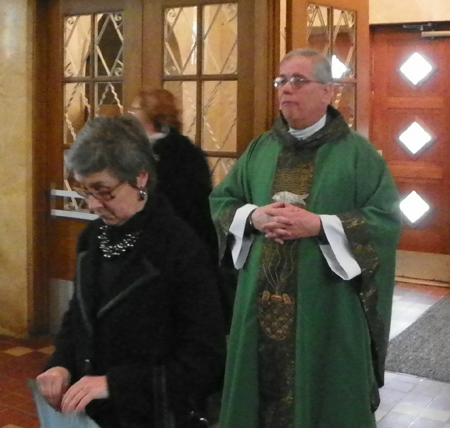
307, 348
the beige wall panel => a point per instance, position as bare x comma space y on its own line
15, 164
399, 11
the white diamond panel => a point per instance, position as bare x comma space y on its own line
414, 207
415, 138
416, 68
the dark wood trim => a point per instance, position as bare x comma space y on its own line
247, 66
199, 77
352, 5
38, 297
298, 37
133, 32
216, 154
363, 67
153, 43
98, 79
85, 7
188, 3
199, 86
263, 62
273, 50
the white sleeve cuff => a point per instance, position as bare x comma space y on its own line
337, 252
242, 244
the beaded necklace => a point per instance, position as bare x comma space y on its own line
111, 250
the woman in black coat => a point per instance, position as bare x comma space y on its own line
142, 343
184, 177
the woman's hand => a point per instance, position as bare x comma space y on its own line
80, 394
53, 383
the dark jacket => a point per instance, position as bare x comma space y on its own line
184, 178
154, 327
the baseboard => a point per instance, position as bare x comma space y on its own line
422, 281
423, 266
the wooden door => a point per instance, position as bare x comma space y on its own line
94, 78
92, 48
397, 104
206, 53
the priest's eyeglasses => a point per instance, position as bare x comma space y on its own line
100, 195
295, 81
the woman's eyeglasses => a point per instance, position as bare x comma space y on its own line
100, 195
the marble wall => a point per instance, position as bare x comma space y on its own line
15, 163
400, 11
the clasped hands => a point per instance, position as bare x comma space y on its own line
54, 385
282, 221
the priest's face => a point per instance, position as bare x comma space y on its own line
303, 103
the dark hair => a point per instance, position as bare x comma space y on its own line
322, 67
159, 107
117, 144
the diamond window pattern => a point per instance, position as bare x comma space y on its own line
76, 105
109, 62
220, 39
180, 41
220, 167
417, 68
317, 28
414, 207
77, 41
93, 77
219, 116
332, 32
201, 69
415, 138
344, 40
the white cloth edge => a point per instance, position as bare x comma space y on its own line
242, 244
337, 252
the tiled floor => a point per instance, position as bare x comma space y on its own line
406, 401
410, 401
20, 360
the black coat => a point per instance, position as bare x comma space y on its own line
157, 330
184, 178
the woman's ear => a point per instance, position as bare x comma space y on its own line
142, 180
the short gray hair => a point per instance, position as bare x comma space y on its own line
116, 144
322, 66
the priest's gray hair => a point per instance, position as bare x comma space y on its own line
322, 66
116, 144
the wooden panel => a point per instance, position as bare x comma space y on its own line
416, 103
63, 243
397, 104
81, 7
420, 170
432, 242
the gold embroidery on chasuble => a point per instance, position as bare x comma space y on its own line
357, 231
277, 291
